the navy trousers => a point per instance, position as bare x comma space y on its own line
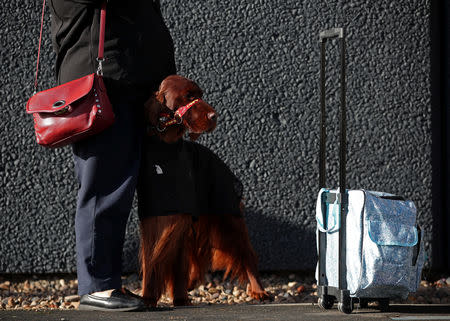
107, 167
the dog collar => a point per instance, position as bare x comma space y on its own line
165, 120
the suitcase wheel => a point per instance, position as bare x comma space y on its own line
326, 302
383, 304
363, 303
347, 307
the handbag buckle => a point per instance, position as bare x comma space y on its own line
100, 66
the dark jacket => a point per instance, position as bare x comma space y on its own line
138, 47
185, 178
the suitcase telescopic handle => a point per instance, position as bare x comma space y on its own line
324, 36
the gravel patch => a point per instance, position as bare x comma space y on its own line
60, 292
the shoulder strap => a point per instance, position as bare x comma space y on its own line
101, 42
101, 39
39, 49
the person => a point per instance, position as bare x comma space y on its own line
139, 54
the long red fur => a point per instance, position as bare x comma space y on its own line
226, 238
177, 252
162, 254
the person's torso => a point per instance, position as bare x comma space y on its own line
138, 46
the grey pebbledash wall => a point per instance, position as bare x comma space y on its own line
258, 62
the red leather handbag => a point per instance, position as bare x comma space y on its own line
75, 110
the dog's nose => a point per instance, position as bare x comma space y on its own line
212, 116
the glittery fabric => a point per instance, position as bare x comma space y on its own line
384, 250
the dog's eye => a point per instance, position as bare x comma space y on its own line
190, 96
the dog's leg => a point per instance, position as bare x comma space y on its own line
255, 289
151, 282
199, 254
150, 291
244, 268
169, 257
233, 252
181, 278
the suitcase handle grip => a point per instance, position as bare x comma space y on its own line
331, 33
334, 214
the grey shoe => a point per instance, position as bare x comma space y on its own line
120, 300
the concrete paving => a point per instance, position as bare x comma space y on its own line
239, 312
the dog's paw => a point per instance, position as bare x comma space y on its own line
261, 296
150, 302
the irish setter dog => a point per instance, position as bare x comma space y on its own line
177, 249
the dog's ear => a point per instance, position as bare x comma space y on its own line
194, 136
152, 108
161, 96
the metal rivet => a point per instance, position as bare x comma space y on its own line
59, 103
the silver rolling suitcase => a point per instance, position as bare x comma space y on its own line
369, 245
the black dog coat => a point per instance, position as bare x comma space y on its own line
185, 178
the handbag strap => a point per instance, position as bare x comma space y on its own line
101, 42
101, 39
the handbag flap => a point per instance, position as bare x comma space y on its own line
392, 233
57, 98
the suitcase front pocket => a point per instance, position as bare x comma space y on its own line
392, 234
393, 242
387, 255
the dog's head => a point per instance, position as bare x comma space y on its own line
180, 94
